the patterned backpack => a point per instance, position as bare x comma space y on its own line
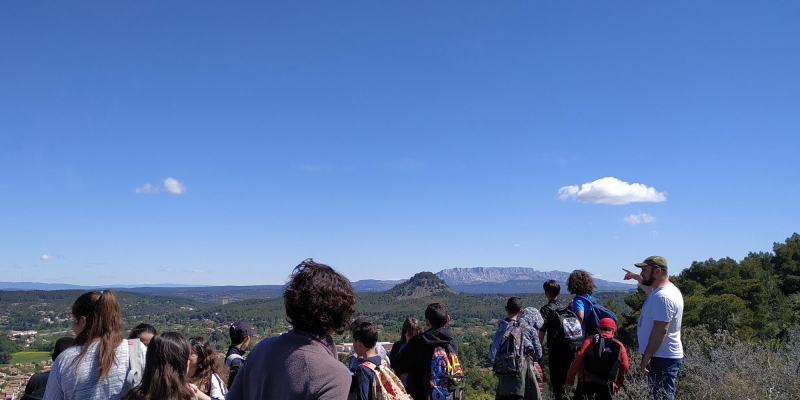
386, 385
511, 350
447, 376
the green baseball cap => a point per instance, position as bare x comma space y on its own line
654, 261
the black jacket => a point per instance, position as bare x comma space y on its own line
415, 359
235, 364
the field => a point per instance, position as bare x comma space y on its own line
25, 357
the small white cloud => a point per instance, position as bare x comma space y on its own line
147, 188
516, 244
164, 268
641, 218
195, 271
610, 190
173, 186
48, 257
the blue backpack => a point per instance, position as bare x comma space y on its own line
592, 319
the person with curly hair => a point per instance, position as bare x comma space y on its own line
302, 363
165, 376
206, 371
581, 284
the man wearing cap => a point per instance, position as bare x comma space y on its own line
597, 378
659, 328
240, 340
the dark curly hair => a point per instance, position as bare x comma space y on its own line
318, 299
580, 282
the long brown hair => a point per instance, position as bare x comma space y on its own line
103, 323
207, 362
410, 326
164, 375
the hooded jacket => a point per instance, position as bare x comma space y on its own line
415, 359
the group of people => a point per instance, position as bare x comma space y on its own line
303, 363
99, 364
580, 339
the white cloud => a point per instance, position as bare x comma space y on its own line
173, 186
48, 257
147, 188
516, 244
195, 271
610, 190
641, 218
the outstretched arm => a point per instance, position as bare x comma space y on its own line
632, 275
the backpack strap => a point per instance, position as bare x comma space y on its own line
234, 356
135, 363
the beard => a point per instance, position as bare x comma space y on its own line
649, 281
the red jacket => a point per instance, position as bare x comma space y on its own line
577, 365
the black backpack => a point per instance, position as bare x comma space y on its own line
569, 333
602, 360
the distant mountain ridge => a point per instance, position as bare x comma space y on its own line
513, 280
466, 280
469, 276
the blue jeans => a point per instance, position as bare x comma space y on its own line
661, 377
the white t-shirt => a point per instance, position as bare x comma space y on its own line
218, 389
664, 304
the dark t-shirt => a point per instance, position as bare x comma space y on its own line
551, 324
34, 390
236, 363
363, 377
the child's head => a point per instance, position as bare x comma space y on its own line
513, 306
607, 325
580, 282
436, 315
365, 336
552, 289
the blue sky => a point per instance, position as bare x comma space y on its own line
210, 143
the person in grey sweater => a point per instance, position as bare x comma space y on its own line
302, 364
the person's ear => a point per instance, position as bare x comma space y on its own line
427, 323
448, 320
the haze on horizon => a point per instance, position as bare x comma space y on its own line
222, 144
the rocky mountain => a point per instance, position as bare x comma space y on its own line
513, 280
420, 285
468, 276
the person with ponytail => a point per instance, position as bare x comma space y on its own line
98, 365
165, 372
206, 371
